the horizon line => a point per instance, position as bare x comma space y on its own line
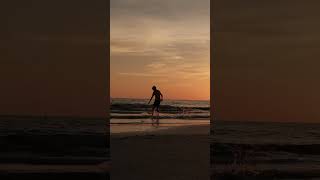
164, 99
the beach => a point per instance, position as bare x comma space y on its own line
175, 149
174, 153
39, 147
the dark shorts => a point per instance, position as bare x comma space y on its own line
156, 103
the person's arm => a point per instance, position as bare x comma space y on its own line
151, 98
161, 96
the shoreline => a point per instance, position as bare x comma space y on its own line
165, 127
179, 130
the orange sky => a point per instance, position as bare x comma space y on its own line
53, 58
163, 43
266, 60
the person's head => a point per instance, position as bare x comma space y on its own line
154, 88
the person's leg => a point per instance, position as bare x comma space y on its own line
153, 107
157, 114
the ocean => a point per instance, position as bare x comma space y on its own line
134, 115
256, 149
123, 108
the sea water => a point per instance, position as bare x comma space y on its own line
169, 109
134, 115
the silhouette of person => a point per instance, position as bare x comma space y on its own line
157, 100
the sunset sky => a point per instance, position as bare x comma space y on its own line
266, 56
164, 43
266, 60
53, 58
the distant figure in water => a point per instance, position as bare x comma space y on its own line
158, 98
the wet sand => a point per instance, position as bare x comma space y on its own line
175, 153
